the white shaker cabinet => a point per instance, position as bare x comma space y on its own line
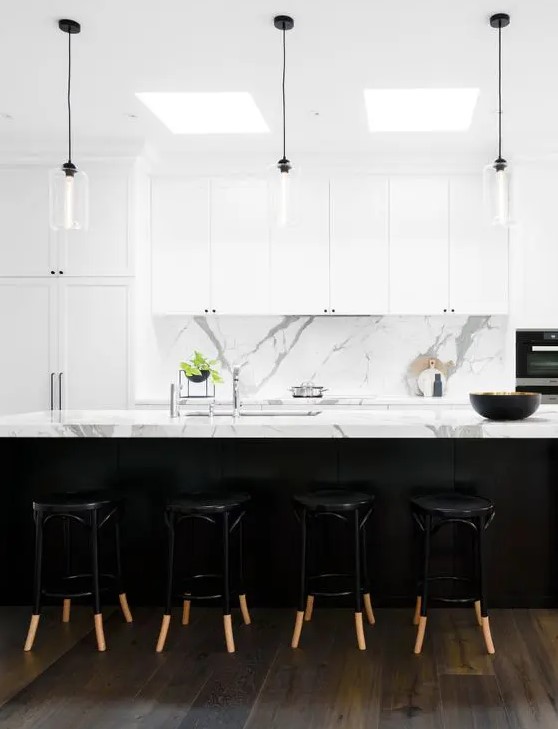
28, 333
94, 343
105, 248
359, 245
27, 247
180, 251
418, 268
239, 247
300, 254
478, 260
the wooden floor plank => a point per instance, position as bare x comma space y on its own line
459, 646
472, 701
410, 690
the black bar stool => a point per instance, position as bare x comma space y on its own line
354, 509
431, 513
224, 511
93, 511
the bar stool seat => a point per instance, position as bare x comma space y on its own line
93, 511
354, 509
222, 510
431, 513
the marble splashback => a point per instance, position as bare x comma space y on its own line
353, 356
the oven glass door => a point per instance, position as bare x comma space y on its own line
538, 360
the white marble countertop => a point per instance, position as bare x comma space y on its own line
333, 423
370, 401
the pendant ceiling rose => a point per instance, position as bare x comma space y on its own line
500, 20
69, 26
283, 22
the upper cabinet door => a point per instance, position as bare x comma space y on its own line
478, 252
419, 245
105, 248
180, 246
239, 247
300, 253
24, 212
28, 324
94, 342
359, 245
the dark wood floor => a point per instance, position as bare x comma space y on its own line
66, 684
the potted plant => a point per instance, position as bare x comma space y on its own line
199, 369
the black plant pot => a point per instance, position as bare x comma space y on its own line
199, 378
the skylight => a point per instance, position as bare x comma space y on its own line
420, 110
206, 113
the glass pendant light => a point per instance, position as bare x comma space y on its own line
497, 175
283, 179
68, 186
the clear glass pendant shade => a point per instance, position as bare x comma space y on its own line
283, 184
497, 193
69, 199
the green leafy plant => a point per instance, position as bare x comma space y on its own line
198, 364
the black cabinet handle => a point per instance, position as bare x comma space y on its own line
53, 272
453, 311
52, 390
325, 311
60, 271
445, 311
213, 310
333, 311
60, 390
206, 311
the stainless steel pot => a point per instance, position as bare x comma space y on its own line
308, 389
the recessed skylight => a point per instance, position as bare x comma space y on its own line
206, 113
420, 110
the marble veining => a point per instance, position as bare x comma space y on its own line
335, 423
353, 356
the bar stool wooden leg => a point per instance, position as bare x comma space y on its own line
37, 586
368, 608
244, 610
99, 632
124, 607
309, 608
487, 636
163, 633
478, 612
417, 610
66, 607
31, 633
186, 612
420, 634
229, 639
297, 629
361, 642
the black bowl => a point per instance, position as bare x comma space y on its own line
505, 405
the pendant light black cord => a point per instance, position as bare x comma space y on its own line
69, 97
284, 105
500, 91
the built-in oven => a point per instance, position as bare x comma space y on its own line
536, 362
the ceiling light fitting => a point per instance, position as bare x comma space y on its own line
69, 187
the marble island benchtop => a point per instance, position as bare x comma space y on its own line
333, 423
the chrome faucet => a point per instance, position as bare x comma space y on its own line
236, 391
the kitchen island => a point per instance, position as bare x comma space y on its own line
393, 454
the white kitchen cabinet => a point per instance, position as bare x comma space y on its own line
300, 254
478, 254
419, 251
105, 248
180, 250
28, 329
27, 247
94, 343
239, 247
359, 245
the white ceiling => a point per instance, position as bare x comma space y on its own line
334, 52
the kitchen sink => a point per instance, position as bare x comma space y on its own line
253, 413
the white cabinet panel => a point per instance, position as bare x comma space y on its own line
239, 247
359, 246
104, 249
25, 245
180, 246
94, 343
478, 252
419, 245
27, 332
300, 254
